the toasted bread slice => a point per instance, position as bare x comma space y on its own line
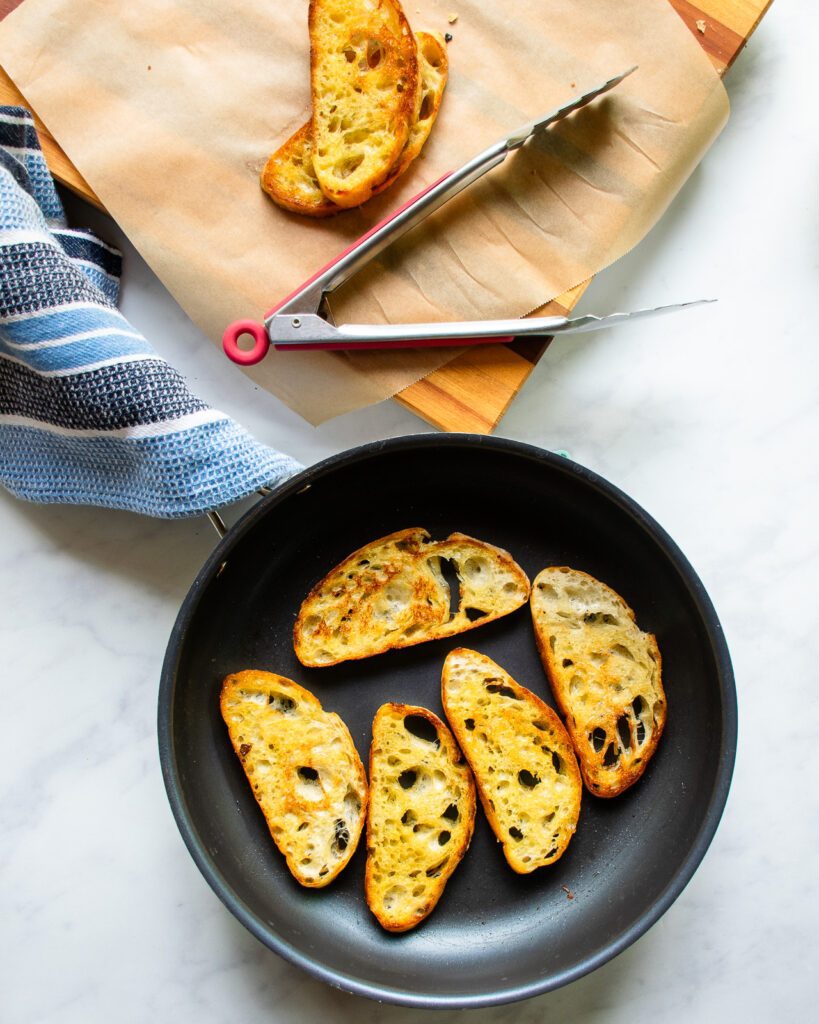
392, 593
433, 71
304, 769
421, 814
364, 85
288, 176
521, 756
605, 673
290, 181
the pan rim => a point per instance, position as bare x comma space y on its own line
547, 982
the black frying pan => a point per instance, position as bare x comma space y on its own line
495, 936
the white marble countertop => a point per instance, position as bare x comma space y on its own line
709, 420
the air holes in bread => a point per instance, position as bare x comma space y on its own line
516, 833
475, 568
344, 168
469, 723
407, 778
375, 53
496, 686
447, 570
451, 813
352, 805
281, 703
611, 757
473, 614
422, 728
527, 779
408, 818
444, 837
342, 837
310, 623
624, 731
431, 52
436, 869
427, 106
598, 739
307, 774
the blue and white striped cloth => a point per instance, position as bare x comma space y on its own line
89, 413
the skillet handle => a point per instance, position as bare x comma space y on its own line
218, 523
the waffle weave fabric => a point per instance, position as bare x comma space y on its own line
89, 412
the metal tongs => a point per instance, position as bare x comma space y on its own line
303, 321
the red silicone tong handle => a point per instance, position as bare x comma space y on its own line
261, 342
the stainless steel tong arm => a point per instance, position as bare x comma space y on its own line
308, 330
308, 299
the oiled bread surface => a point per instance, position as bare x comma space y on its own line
421, 814
521, 756
364, 86
304, 770
392, 593
605, 673
289, 177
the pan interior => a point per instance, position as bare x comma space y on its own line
494, 935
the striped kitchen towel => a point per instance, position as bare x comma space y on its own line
89, 413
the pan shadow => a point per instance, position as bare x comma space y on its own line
263, 977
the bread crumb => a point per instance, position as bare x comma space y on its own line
701, 26
573, 85
452, 19
568, 891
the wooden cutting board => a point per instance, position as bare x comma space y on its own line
472, 392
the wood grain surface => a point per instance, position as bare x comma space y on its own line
473, 391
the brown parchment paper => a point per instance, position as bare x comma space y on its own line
169, 109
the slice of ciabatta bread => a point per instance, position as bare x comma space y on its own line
392, 593
288, 176
304, 770
364, 86
289, 179
605, 674
433, 70
421, 814
521, 756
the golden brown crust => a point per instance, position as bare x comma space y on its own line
421, 814
391, 593
605, 674
521, 756
364, 84
303, 768
288, 177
